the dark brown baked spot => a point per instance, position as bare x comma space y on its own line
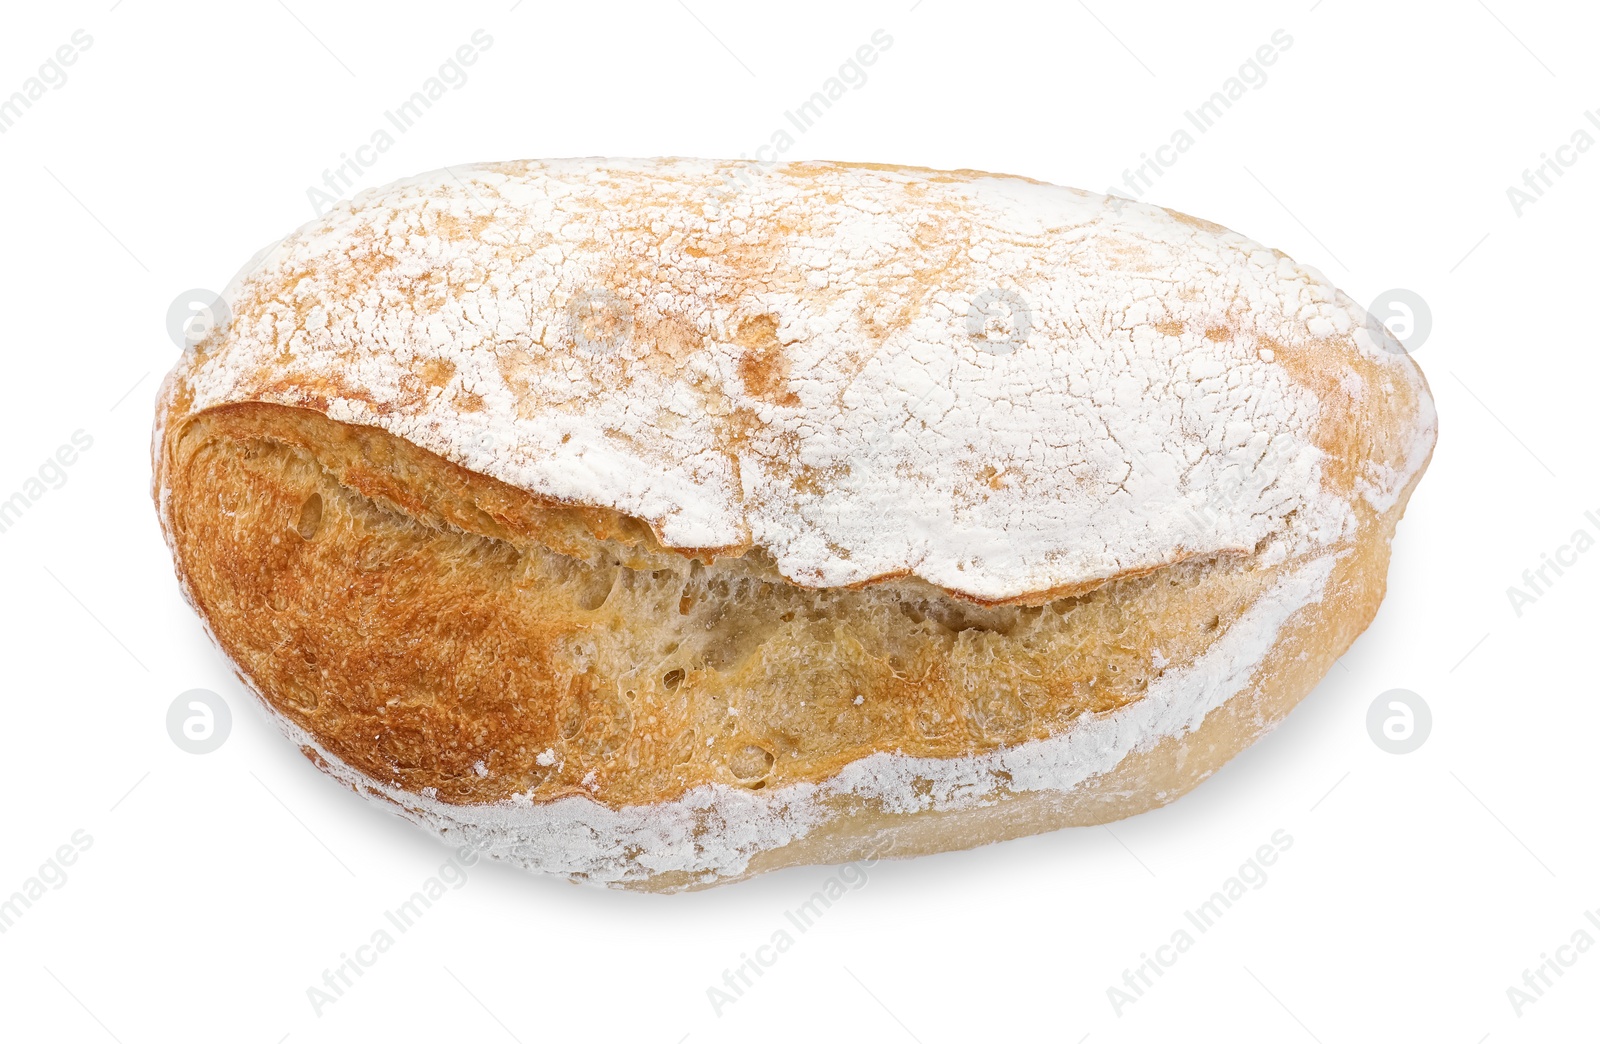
764, 367
436, 373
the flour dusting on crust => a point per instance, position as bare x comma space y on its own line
715, 830
793, 366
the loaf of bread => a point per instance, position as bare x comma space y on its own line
657, 523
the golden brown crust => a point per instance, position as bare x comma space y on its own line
421, 620
1146, 779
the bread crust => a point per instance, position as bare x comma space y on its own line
576, 688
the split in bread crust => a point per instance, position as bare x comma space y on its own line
416, 617
459, 642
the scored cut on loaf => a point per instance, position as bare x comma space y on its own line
661, 522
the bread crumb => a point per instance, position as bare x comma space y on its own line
480, 768
860, 699
546, 759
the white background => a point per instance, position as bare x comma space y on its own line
1418, 887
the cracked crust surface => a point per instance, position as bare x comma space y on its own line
597, 489
1004, 388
